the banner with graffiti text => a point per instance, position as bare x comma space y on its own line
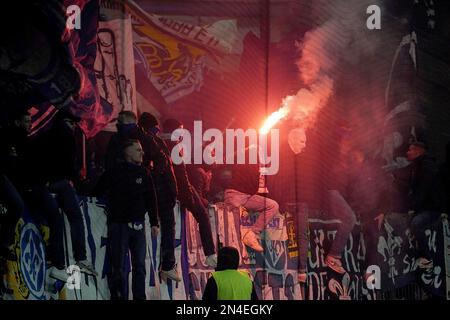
170, 55
274, 271
324, 283
28, 277
397, 255
114, 67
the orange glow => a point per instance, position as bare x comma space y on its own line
273, 119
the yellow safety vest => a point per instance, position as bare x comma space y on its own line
233, 285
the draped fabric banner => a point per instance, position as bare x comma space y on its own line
170, 55
114, 68
274, 272
86, 103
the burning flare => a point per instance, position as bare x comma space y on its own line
273, 119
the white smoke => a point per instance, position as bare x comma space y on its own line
342, 38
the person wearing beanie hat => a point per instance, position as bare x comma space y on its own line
147, 122
190, 198
166, 191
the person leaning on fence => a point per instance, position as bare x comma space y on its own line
190, 198
241, 189
227, 282
27, 187
426, 199
129, 194
58, 163
156, 158
166, 191
368, 193
336, 201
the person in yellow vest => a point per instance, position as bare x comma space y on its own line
227, 282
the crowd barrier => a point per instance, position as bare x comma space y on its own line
274, 271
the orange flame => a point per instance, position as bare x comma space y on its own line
273, 119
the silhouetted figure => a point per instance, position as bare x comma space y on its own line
166, 190
227, 282
58, 154
190, 199
130, 195
25, 173
425, 200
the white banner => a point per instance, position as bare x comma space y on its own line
114, 66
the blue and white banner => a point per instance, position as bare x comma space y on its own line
274, 271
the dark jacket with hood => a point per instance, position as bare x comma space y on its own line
130, 193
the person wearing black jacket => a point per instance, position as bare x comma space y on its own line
18, 156
58, 155
130, 193
241, 190
190, 199
368, 194
166, 191
425, 200
200, 178
336, 196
